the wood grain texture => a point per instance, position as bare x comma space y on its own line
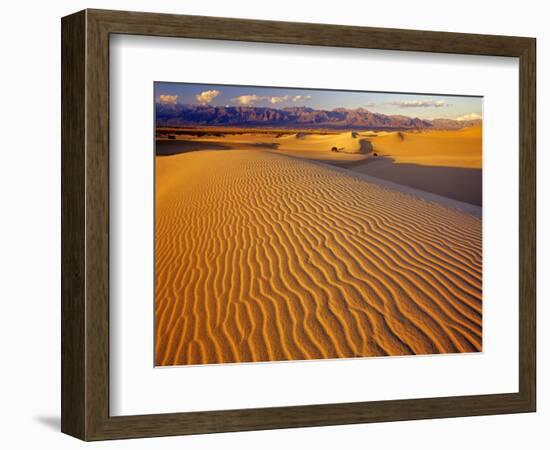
73, 225
527, 224
85, 224
266, 31
97, 225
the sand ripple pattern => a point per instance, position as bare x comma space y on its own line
262, 257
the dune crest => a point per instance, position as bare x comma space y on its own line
350, 142
436, 148
262, 257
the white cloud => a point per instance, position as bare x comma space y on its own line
206, 97
419, 103
251, 99
246, 100
274, 100
300, 98
168, 99
471, 116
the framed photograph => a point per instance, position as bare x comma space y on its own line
273, 225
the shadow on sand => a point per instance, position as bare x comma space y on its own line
460, 184
175, 147
267, 145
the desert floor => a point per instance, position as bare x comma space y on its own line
446, 163
266, 250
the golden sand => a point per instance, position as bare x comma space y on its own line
264, 257
460, 148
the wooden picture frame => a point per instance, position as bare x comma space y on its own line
85, 224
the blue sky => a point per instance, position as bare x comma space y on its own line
413, 105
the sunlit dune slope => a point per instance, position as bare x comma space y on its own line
348, 142
455, 148
436, 148
262, 257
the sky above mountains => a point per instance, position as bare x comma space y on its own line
412, 105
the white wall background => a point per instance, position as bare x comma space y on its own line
30, 222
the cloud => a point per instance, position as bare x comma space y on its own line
300, 98
206, 97
471, 116
419, 104
168, 99
274, 100
252, 99
247, 99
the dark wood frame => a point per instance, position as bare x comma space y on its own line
85, 224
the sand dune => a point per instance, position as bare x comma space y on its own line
456, 148
463, 184
435, 148
263, 257
443, 162
347, 142
447, 163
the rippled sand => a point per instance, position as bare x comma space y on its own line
264, 257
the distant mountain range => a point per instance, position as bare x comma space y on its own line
296, 117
